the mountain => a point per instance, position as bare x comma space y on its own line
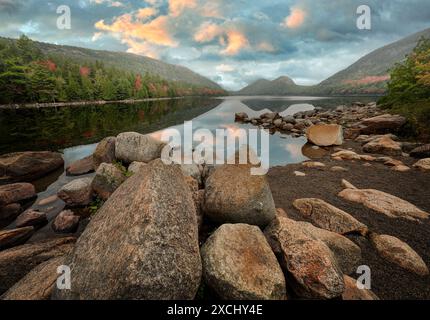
280, 86
128, 62
369, 75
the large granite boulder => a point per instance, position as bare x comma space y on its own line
384, 145
309, 265
105, 152
14, 237
142, 244
238, 264
325, 135
16, 192
385, 123
28, 166
234, 195
327, 216
352, 292
132, 146
16, 262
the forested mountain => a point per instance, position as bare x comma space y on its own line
369, 75
38, 72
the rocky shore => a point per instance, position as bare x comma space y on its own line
156, 231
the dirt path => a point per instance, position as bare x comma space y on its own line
388, 280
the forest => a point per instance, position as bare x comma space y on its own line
28, 75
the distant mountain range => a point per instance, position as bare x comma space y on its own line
129, 62
369, 75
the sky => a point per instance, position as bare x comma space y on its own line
232, 42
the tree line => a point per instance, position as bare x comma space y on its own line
29, 75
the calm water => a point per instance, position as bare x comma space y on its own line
75, 130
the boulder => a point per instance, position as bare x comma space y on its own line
383, 124
352, 292
28, 166
310, 265
238, 264
240, 116
38, 284
384, 145
325, 135
14, 237
104, 153
135, 166
192, 170
234, 195
107, 179
132, 146
80, 167
399, 253
384, 203
328, 217
10, 211
142, 244
65, 222
16, 262
76, 193
16, 192
346, 252
423, 164
421, 152
31, 218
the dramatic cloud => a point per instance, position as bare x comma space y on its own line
232, 42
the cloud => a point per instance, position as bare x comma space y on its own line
146, 13
111, 3
176, 7
236, 41
295, 19
225, 68
207, 32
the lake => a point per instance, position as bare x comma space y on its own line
76, 130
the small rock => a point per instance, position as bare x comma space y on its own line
346, 155
384, 203
9, 211
401, 168
328, 217
352, 292
65, 222
16, 192
240, 116
31, 218
14, 237
325, 135
136, 166
299, 174
313, 164
421, 152
347, 185
48, 200
384, 145
366, 157
238, 264
80, 167
338, 169
105, 152
423, 164
398, 252
107, 179
77, 192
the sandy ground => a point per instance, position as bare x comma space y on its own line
388, 280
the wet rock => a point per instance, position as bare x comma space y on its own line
16, 192
65, 222
311, 267
352, 292
48, 200
107, 179
38, 284
16, 262
384, 145
423, 164
383, 124
142, 244
14, 237
400, 253
28, 166
9, 211
346, 252
77, 193
80, 167
328, 217
234, 195
346, 155
136, 166
325, 135
132, 146
31, 218
238, 264
384, 203
104, 153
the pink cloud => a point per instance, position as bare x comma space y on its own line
236, 41
176, 7
207, 32
295, 19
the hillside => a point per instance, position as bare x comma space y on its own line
369, 75
127, 62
